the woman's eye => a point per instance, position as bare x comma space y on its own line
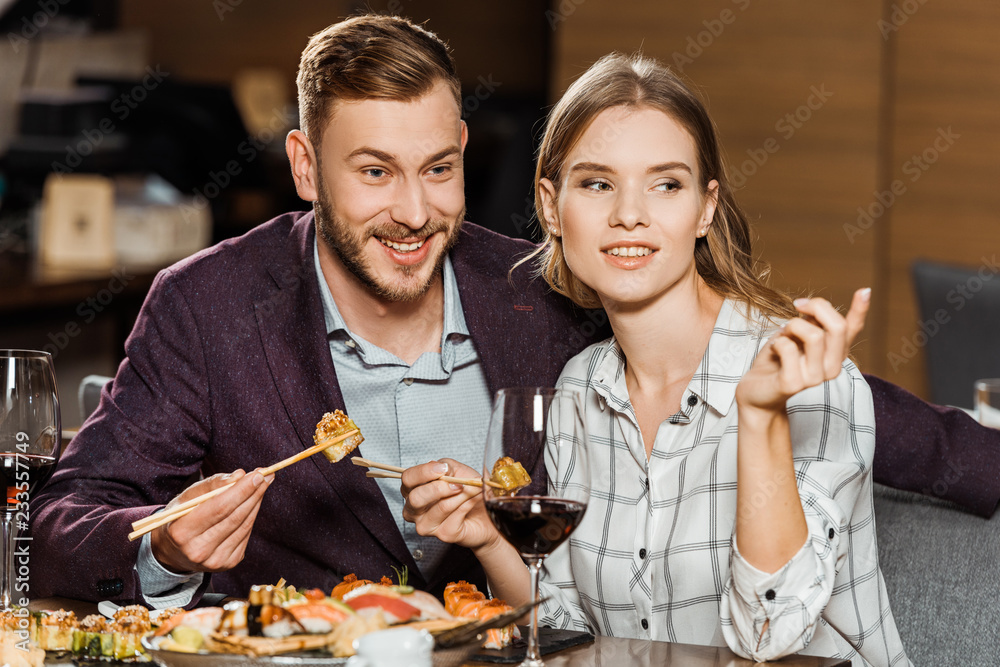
596, 186
669, 186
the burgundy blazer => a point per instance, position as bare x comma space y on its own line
228, 367
934, 450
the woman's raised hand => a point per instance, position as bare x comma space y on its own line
807, 351
450, 512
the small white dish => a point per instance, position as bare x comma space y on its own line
396, 647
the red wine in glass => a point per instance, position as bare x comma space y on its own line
23, 473
535, 525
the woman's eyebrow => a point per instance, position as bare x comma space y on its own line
592, 166
669, 166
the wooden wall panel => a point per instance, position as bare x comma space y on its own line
947, 76
211, 41
754, 64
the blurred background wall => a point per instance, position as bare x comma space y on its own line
863, 134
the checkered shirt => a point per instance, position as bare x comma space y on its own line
655, 556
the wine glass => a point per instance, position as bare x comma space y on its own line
30, 440
987, 402
528, 423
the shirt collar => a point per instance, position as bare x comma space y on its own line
731, 351
454, 330
735, 340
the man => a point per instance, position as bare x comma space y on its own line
380, 302
392, 310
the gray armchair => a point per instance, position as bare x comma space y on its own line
942, 571
90, 394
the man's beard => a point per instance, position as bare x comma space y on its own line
349, 247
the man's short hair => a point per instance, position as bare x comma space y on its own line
369, 57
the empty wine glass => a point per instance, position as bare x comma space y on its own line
30, 440
527, 424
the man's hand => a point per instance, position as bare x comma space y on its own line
213, 537
452, 513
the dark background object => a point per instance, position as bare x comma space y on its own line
959, 328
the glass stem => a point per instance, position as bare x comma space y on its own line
535, 567
9, 537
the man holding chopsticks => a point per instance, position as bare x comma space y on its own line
380, 302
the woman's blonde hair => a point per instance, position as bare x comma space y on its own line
724, 257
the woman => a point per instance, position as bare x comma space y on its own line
732, 501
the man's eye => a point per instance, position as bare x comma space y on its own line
375, 173
438, 171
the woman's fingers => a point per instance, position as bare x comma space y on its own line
790, 378
840, 330
436, 507
810, 341
421, 486
418, 476
432, 503
857, 315
806, 352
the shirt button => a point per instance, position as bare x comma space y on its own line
832, 533
673, 420
692, 400
642, 554
645, 624
647, 484
769, 594
407, 381
418, 554
350, 343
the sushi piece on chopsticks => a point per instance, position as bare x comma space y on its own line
329, 432
510, 475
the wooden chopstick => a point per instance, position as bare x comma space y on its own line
365, 463
384, 474
143, 526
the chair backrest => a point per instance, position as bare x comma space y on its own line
90, 394
959, 327
942, 570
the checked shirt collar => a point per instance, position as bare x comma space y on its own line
733, 344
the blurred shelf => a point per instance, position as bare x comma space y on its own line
29, 286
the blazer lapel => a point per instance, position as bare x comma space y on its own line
293, 332
503, 320
509, 328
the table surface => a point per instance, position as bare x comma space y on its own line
618, 652
604, 651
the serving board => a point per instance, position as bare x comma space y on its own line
550, 640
